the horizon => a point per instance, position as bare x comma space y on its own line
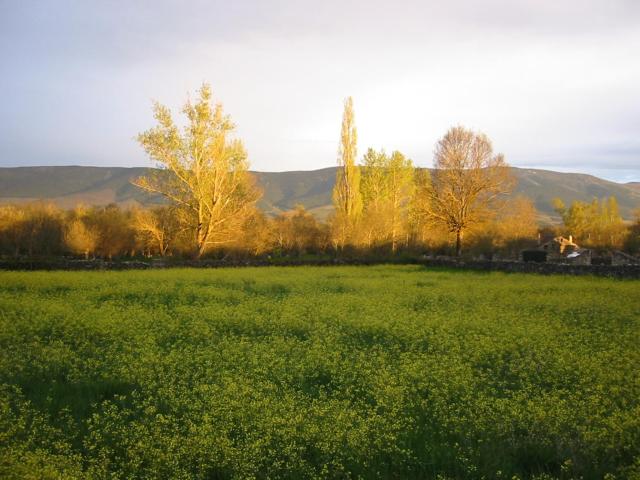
553, 90
568, 172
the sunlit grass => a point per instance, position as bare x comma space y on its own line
373, 372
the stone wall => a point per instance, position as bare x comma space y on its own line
614, 271
621, 258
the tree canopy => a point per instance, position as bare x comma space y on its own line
205, 170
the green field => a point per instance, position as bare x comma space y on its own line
334, 372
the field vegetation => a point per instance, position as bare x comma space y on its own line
334, 372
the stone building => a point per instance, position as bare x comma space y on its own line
560, 246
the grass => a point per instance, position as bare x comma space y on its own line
312, 372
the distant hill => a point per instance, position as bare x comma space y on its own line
68, 186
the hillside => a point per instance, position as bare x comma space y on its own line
68, 186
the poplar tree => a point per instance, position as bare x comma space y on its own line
387, 187
346, 193
204, 170
421, 224
400, 180
596, 224
374, 195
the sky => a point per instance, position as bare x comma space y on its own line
554, 83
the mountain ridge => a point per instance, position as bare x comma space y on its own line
67, 186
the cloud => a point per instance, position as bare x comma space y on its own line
550, 82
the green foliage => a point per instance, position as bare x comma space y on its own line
342, 372
387, 188
597, 224
347, 199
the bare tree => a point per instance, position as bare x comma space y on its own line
158, 227
205, 171
12, 228
298, 230
81, 239
468, 181
36, 228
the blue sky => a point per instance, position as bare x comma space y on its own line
555, 84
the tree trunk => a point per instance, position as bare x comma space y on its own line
200, 240
458, 242
393, 238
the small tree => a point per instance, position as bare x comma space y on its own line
205, 171
157, 226
298, 231
81, 239
34, 229
13, 231
516, 226
256, 236
468, 181
632, 241
114, 228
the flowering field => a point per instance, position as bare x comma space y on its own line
334, 372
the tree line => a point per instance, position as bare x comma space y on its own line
382, 204
598, 223
41, 229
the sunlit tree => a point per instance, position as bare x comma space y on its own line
387, 187
157, 227
516, 225
204, 170
80, 238
114, 227
374, 196
13, 233
596, 224
298, 231
32, 229
467, 183
421, 225
256, 236
346, 192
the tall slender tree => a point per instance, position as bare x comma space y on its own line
387, 187
374, 196
346, 193
400, 175
420, 223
